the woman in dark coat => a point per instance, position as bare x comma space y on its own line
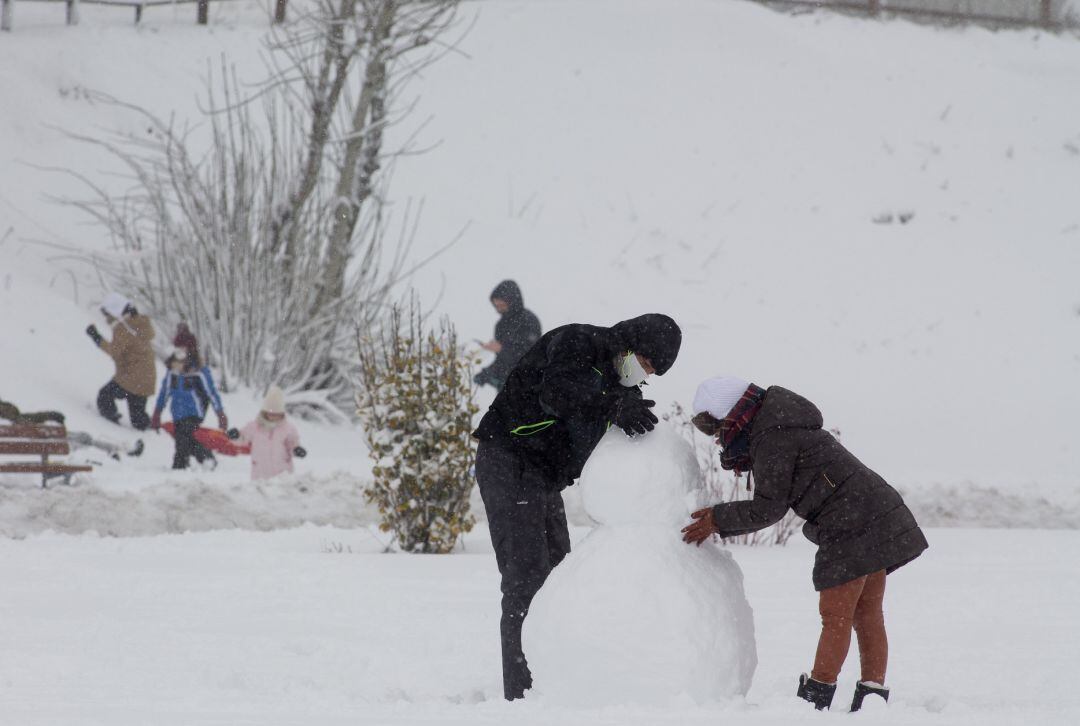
861, 525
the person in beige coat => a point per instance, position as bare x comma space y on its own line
131, 351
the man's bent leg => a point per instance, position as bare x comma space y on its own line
516, 519
137, 412
106, 400
558, 534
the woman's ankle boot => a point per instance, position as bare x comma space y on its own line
818, 693
867, 688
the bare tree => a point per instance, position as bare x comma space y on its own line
336, 45
266, 227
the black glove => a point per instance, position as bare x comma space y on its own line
631, 413
95, 336
299, 452
481, 378
233, 434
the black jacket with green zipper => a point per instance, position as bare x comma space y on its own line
556, 403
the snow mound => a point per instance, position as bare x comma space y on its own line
187, 505
648, 479
633, 614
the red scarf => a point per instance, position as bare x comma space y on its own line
734, 430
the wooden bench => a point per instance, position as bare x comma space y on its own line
42, 440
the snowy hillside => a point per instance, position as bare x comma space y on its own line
879, 215
720, 162
729, 171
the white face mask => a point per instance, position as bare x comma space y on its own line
631, 373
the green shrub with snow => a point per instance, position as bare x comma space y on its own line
416, 405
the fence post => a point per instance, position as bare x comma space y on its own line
72, 11
204, 11
6, 9
279, 11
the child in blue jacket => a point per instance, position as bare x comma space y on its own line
188, 387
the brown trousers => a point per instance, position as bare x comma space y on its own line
855, 604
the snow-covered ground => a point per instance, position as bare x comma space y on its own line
714, 160
311, 626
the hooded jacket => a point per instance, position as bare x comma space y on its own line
557, 401
271, 447
517, 330
859, 522
188, 394
131, 351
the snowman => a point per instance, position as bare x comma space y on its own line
633, 614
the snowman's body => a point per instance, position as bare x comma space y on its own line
634, 614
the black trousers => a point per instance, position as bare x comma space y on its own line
186, 445
106, 403
528, 531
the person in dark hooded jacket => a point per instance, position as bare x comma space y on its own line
861, 525
515, 333
535, 438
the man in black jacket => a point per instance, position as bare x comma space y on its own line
534, 440
515, 333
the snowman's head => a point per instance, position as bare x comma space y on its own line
649, 479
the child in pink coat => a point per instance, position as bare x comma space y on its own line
274, 441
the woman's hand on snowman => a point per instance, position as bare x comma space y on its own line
701, 528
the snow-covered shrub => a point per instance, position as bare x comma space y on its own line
415, 401
722, 486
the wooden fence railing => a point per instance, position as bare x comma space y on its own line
202, 9
1046, 13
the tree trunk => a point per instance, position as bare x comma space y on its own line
7, 10
279, 11
354, 184
333, 73
203, 12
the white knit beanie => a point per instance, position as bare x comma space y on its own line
274, 401
718, 396
114, 304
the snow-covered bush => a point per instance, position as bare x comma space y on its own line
722, 486
415, 401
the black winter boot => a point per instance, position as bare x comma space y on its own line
866, 688
818, 693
